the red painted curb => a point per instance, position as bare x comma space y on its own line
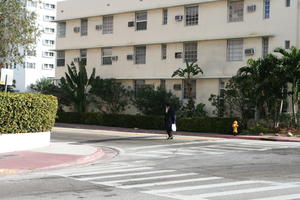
99, 153
83, 160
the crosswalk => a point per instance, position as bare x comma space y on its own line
180, 184
205, 147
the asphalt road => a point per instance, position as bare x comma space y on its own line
149, 167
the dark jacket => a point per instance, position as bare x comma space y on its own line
170, 118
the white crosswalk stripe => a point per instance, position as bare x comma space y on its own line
199, 187
234, 192
170, 182
115, 183
111, 171
282, 197
122, 175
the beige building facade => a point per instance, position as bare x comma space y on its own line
144, 41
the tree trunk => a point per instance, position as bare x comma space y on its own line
256, 113
293, 105
280, 112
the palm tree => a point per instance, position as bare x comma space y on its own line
188, 73
250, 74
291, 63
268, 87
76, 86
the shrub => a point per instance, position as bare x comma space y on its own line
207, 125
151, 101
24, 112
113, 97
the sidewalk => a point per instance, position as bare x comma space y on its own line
134, 130
54, 156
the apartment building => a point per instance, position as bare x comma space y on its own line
144, 41
39, 63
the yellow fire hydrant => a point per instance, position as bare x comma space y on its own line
235, 126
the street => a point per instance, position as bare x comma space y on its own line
141, 166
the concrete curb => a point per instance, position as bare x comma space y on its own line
265, 138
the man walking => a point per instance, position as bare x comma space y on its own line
170, 118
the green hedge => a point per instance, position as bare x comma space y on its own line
204, 125
25, 112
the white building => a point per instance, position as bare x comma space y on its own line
41, 62
144, 41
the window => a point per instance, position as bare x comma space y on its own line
60, 58
48, 18
49, 6
31, 53
84, 27
235, 10
32, 4
141, 20
162, 84
191, 15
10, 65
48, 42
165, 16
138, 84
48, 54
106, 56
221, 99
83, 56
185, 89
29, 65
190, 51
163, 51
108, 24
287, 44
265, 46
61, 29
266, 9
235, 50
48, 66
140, 55
49, 30
288, 3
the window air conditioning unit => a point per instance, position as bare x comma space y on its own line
99, 27
251, 8
249, 52
76, 59
178, 55
114, 58
131, 24
76, 29
178, 18
129, 57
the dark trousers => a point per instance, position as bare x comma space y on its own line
169, 133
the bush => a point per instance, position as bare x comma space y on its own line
207, 125
151, 101
25, 113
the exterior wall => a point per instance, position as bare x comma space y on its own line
211, 58
24, 76
213, 25
211, 34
